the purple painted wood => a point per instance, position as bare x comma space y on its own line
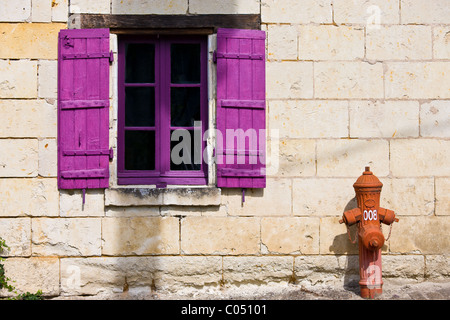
162, 175
241, 103
83, 109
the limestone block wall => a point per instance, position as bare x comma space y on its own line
349, 84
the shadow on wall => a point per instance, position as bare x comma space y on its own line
347, 253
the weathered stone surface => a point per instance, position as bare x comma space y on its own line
334, 238
399, 42
293, 11
132, 211
47, 79
290, 235
367, 12
384, 119
296, 158
220, 235
66, 236
403, 266
149, 7
18, 157
442, 196
185, 271
420, 157
114, 274
60, 10
435, 119
425, 12
140, 235
133, 197
71, 203
260, 270
33, 274
437, 267
408, 196
184, 211
86, 6
441, 42
260, 202
41, 193
15, 11
327, 269
48, 158
219, 6
29, 40
41, 11
192, 196
417, 80
282, 42
170, 196
312, 197
17, 235
348, 80
289, 80
347, 158
18, 78
329, 42
309, 119
421, 235
27, 118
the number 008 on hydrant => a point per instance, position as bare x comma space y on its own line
368, 217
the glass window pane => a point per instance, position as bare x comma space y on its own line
185, 63
140, 107
140, 63
139, 150
185, 154
184, 106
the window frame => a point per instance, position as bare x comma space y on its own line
162, 119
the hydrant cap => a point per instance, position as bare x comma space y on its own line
367, 180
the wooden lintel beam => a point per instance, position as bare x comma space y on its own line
163, 22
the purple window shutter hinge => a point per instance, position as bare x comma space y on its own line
111, 154
111, 57
215, 56
84, 196
68, 42
243, 195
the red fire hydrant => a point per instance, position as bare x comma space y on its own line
368, 217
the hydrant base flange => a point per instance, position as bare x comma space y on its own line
367, 293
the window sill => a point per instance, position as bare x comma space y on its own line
176, 196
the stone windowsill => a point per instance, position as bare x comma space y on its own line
187, 196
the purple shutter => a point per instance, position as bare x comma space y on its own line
83, 109
241, 108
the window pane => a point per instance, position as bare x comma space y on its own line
139, 150
185, 154
184, 106
140, 63
185, 63
140, 107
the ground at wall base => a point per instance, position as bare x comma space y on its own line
391, 291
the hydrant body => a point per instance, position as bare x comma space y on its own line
368, 217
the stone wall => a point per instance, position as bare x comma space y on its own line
349, 84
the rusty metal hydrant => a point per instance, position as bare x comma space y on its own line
368, 217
